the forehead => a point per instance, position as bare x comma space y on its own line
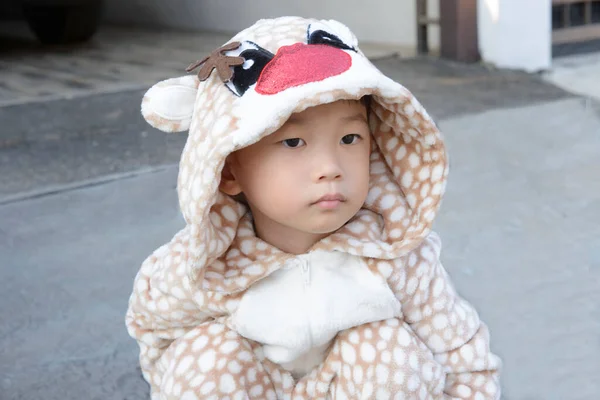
340, 110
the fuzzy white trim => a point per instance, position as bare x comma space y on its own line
306, 303
261, 114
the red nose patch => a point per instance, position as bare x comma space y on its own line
300, 63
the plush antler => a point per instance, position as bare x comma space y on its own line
218, 60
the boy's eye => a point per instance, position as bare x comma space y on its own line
293, 143
350, 139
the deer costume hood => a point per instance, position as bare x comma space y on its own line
242, 92
262, 76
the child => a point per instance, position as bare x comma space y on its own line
307, 268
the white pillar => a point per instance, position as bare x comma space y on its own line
515, 33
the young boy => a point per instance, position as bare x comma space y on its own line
307, 268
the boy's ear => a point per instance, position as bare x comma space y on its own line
229, 185
169, 105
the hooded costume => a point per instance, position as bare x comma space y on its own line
369, 311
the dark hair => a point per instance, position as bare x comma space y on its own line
366, 101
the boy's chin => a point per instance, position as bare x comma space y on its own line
326, 228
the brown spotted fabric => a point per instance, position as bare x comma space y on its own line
186, 291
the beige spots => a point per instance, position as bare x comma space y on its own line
189, 395
407, 179
376, 370
414, 160
207, 360
227, 384
207, 388
348, 353
367, 352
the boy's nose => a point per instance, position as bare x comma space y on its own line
330, 176
328, 170
302, 63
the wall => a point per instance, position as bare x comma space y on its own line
515, 33
378, 21
433, 34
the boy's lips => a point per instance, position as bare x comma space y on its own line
329, 201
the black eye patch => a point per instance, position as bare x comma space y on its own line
323, 37
243, 78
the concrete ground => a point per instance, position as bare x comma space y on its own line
578, 73
87, 191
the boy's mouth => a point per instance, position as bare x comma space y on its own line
329, 201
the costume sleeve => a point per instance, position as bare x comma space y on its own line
163, 306
447, 324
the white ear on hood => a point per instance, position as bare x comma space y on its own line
169, 104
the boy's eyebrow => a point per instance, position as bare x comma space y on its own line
355, 117
359, 116
293, 119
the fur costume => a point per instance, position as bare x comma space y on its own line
369, 311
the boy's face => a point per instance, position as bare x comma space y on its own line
309, 177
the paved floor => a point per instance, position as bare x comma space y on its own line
57, 142
577, 73
117, 58
67, 270
88, 190
522, 239
114, 60
521, 242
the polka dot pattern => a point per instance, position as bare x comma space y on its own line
376, 360
438, 346
212, 360
186, 290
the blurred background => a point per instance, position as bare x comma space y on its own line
87, 188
